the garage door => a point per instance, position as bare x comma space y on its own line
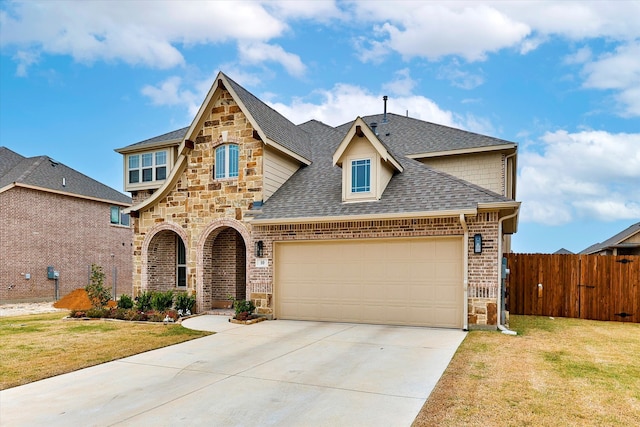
414, 281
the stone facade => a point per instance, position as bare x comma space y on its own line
199, 201
41, 229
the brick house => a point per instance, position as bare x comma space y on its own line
385, 219
52, 215
626, 242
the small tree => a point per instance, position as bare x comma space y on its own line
98, 294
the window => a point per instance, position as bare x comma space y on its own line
119, 218
181, 263
147, 167
361, 176
226, 162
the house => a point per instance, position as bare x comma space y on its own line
54, 216
385, 219
627, 242
563, 251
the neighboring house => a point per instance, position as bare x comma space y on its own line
54, 216
373, 221
563, 251
627, 242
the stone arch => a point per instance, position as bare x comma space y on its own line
207, 237
148, 239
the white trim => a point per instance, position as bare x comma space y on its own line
63, 193
463, 151
372, 217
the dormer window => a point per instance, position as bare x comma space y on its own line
226, 161
361, 176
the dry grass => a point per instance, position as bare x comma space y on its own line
40, 346
567, 372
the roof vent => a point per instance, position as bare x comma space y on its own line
374, 127
384, 118
64, 182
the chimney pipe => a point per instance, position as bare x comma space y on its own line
384, 118
374, 128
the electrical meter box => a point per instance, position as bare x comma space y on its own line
51, 274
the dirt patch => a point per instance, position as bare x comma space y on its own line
77, 300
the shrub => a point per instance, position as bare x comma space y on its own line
78, 314
143, 301
243, 306
185, 302
97, 312
125, 301
161, 301
98, 294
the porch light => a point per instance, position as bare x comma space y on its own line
477, 244
259, 248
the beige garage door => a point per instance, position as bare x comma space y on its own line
414, 281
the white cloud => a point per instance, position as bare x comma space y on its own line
620, 71
258, 52
459, 77
169, 92
590, 174
132, 32
356, 101
402, 85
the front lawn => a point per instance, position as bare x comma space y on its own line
34, 347
567, 372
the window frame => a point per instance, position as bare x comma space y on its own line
181, 264
228, 155
120, 219
149, 166
355, 186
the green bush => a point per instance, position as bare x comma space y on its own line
143, 301
185, 302
98, 294
125, 301
97, 312
161, 301
244, 306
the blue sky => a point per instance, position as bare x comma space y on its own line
562, 79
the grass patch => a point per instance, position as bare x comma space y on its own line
555, 372
39, 346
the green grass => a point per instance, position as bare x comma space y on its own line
39, 346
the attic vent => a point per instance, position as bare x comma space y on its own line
64, 182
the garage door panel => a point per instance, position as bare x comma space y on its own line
414, 281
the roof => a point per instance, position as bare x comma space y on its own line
274, 125
44, 173
616, 241
409, 136
563, 251
316, 190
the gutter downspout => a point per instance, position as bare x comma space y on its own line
465, 275
503, 328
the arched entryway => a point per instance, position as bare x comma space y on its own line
223, 257
165, 260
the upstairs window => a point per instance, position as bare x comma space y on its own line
119, 218
361, 176
147, 167
226, 161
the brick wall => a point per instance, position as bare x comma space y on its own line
41, 229
161, 271
483, 268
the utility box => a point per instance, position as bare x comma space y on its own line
51, 274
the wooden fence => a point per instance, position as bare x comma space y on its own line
581, 286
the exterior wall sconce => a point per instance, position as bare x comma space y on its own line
477, 244
259, 249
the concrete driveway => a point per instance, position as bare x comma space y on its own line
284, 373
